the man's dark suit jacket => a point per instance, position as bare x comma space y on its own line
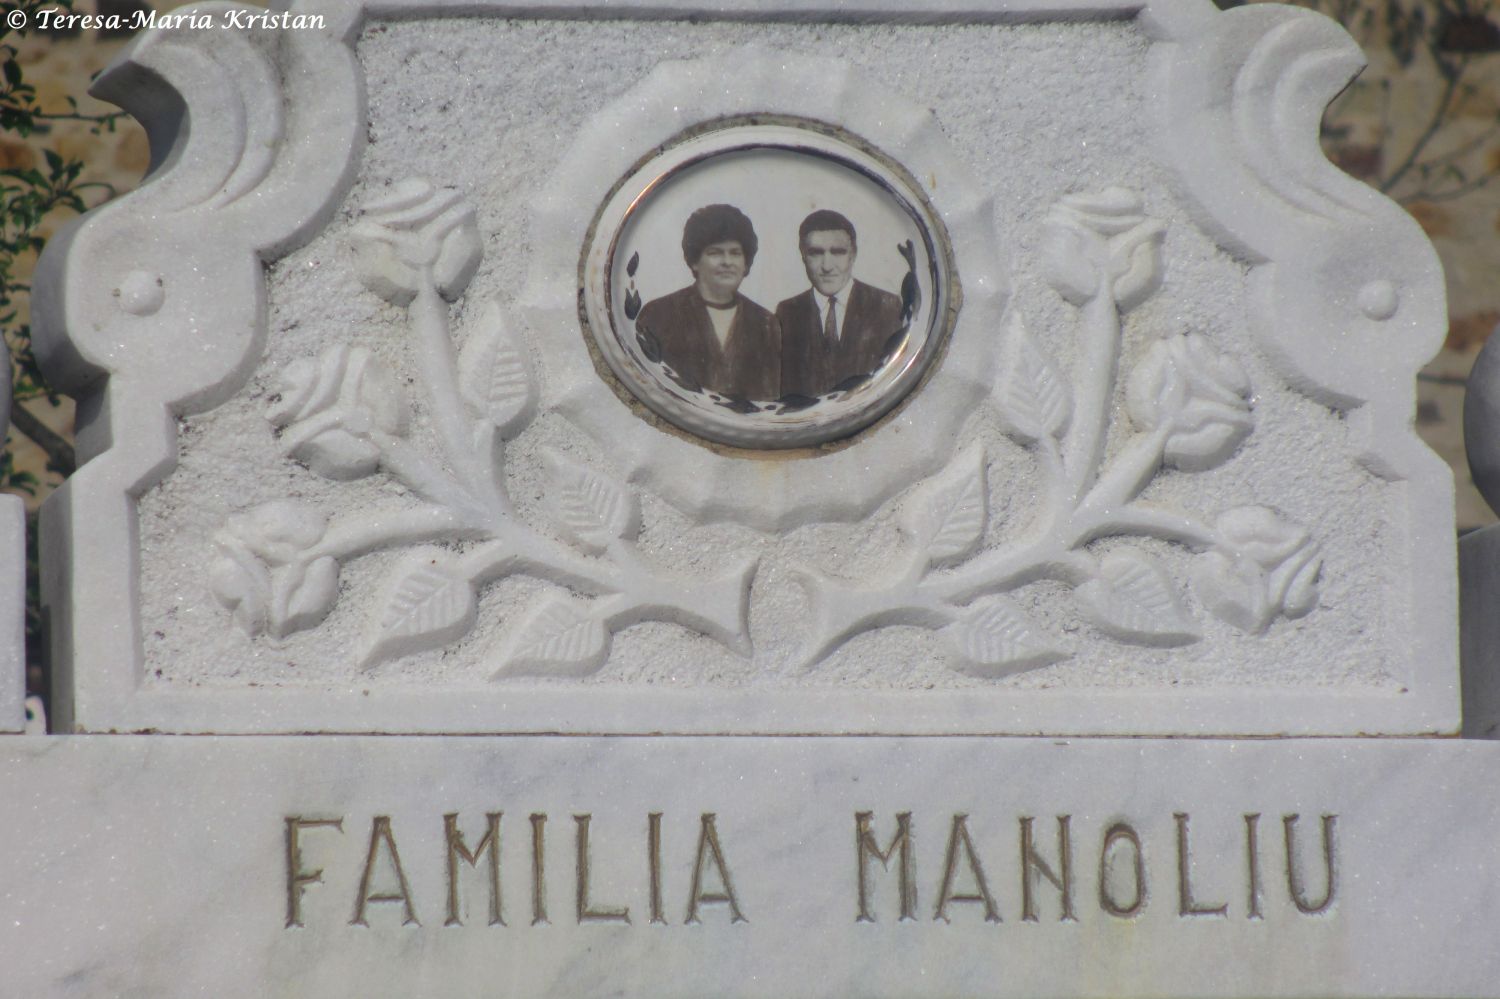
810, 364
749, 363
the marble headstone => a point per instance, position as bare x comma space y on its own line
886, 499
396, 420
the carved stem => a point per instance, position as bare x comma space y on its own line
621, 610
1053, 555
489, 446
716, 607
1164, 524
1122, 481
1054, 482
1049, 558
843, 613
1101, 351
351, 539
413, 467
429, 314
522, 550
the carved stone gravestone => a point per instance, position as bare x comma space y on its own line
672, 421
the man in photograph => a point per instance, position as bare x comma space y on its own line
710, 335
838, 329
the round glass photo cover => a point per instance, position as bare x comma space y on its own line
768, 286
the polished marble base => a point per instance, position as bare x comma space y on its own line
747, 867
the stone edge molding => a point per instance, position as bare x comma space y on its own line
123, 295
13, 704
12, 593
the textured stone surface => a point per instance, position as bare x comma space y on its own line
159, 866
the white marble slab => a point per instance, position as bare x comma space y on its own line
160, 866
361, 453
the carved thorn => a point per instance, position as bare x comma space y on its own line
727, 607
840, 614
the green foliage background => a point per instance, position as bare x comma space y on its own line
31, 196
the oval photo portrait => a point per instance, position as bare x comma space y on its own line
768, 286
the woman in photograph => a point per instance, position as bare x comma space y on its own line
708, 334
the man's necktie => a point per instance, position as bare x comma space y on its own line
830, 321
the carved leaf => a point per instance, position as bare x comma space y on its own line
949, 512
561, 638
997, 639
428, 605
1133, 599
590, 508
1033, 395
301, 597
1234, 590
494, 374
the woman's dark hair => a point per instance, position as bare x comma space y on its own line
718, 224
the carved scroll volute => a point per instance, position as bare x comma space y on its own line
254, 132
1240, 122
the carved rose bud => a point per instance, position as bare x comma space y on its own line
1200, 395
1102, 243
1262, 566
419, 235
263, 575
330, 406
